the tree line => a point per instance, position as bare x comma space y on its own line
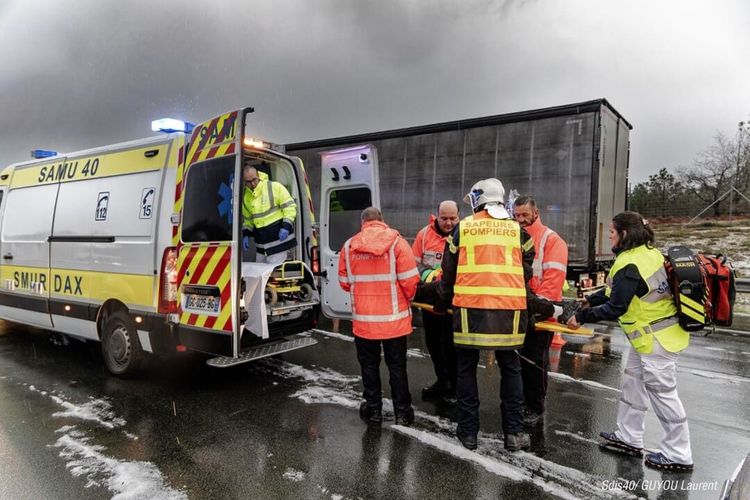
716, 182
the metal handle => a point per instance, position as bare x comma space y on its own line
8, 256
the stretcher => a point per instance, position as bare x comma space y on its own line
549, 326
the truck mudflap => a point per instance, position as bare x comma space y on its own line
272, 348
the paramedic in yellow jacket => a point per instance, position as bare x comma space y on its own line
268, 213
639, 297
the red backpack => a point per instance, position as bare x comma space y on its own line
703, 288
718, 276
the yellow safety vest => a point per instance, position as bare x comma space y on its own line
654, 314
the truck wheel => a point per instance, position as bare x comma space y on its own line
120, 345
305, 292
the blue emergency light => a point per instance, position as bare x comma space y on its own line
42, 153
169, 125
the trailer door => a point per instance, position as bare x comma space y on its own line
349, 184
208, 256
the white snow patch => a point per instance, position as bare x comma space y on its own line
457, 450
416, 353
294, 475
577, 436
95, 410
334, 335
504, 469
126, 479
289, 370
321, 395
736, 379
567, 378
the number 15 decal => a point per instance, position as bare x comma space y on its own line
147, 203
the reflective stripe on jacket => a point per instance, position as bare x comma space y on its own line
377, 268
550, 262
490, 267
654, 314
265, 210
428, 246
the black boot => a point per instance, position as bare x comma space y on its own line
405, 417
371, 415
517, 441
469, 441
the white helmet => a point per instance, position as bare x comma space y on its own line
486, 191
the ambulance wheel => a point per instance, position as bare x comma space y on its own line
271, 296
120, 345
305, 292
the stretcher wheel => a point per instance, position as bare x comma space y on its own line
305, 292
271, 296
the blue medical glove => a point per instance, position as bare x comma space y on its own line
246, 242
283, 234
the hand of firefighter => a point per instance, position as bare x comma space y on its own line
283, 234
246, 242
573, 322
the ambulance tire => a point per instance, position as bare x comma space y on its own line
120, 345
305, 292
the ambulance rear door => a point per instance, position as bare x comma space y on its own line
208, 253
27, 226
349, 184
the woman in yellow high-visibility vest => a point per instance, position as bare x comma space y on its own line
639, 297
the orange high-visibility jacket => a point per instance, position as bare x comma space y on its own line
377, 268
490, 264
428, 246
550, 262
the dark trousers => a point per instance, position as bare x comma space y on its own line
394, 351
467, 392
438, 333
535, 348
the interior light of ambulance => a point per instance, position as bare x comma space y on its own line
169, 125
168, 282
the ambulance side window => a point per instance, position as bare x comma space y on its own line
207, 205
346, 206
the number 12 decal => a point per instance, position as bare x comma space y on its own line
102, 203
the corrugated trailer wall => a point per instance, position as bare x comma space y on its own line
554, 158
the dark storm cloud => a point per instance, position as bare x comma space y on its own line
83, 73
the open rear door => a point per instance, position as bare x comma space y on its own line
349, 184
208, 257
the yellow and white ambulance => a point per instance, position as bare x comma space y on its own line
139, 245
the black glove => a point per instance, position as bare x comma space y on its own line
570, 308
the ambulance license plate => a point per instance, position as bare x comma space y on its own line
203, 300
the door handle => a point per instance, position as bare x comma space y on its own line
8, 256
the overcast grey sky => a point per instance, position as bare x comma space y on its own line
81, 73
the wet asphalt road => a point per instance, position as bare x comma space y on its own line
288, 427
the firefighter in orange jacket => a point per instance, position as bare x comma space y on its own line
377, 267
485, 269
428, 249
549, 269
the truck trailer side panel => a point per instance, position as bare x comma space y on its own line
553, 154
